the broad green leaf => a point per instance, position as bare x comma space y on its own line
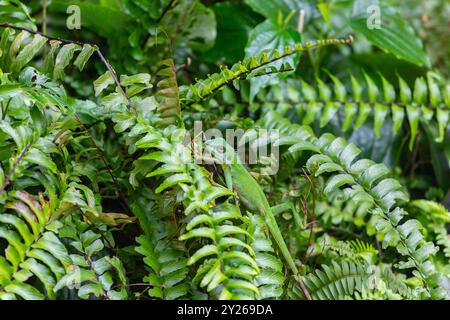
15, 45
235, 21
279, 11
328, 167
339, 89
309, 93
49, 62
394, 36
324, 8
269, 36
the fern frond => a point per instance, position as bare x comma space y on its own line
20, 47
425, 102
34, 249
356, 250
219, 224
367, 182
169, 108
443, 240
334, 282
168, 269
270, 280
433, 210
248, 68
91, 273
362, 248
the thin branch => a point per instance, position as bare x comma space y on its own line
313, 220
273, 72
304, 289
166, 9
7, 25
323, 102
116, 80
44, 16
16, 163
120, 194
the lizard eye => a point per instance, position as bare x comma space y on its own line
220, 149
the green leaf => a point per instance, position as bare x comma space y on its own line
84, 56
24, 290
372, 89
420, 91
388, 90
235, 21
304, 146
405, 91
413, 117
380, 114
364, 112
337, 181
28, 53
103, 82
278, 11
140, 78
173, 180
269, 36
40, 158
201, 253
351, 110
398, 114
442, 118
393, 36
328, 167
324, 8
356, 88
329, 112
63, 59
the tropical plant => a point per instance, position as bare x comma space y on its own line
108, 191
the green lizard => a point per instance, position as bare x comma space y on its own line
249, 192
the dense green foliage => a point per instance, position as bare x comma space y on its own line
101, 193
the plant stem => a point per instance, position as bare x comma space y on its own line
16, 163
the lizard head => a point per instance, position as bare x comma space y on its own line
221, 151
